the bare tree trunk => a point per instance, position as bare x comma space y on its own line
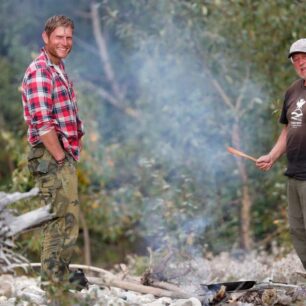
245, 208
10, 164
246, 241
118, 95
237, 108
87, 252
109, 72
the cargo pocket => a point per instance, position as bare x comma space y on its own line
48, 189
34, 159
67, 195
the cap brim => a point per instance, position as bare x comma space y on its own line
294, 52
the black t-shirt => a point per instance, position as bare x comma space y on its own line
294, 115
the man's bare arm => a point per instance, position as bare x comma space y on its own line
281, 145
265, 162
52, 144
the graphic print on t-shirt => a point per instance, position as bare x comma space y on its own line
297, 114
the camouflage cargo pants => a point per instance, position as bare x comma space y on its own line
58, 188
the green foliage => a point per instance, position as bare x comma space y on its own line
10, 100
164, 178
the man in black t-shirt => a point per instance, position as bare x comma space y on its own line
292, 141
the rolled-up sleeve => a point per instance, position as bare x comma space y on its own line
40, 103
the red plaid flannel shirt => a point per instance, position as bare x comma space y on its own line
49, 103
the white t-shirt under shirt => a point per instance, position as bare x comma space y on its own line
59, 70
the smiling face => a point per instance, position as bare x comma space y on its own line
59, 43
299, 63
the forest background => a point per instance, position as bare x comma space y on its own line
163, 87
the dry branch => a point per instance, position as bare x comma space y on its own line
16, 225
11, 225
109, 72
30, 220
115, 282
240, 154
242, 92
166, 285
111, 99
108, 279
157, 271
8, 198
33, 265
117, 97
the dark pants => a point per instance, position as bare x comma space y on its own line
296, 192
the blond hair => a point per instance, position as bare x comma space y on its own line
58, 21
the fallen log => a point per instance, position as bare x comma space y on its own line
153, 282
14, 225
108, 279
114, 282
30, 220
8, 198
167, 286
11, 225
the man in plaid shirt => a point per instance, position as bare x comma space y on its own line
54, 133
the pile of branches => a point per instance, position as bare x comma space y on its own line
11, 225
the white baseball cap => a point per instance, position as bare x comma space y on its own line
297, 47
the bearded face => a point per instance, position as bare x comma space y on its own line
59, 43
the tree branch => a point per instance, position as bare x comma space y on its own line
241, 93
87, 252
107, 278
6, 198
85, 45
112, 100
106, 63
30, 220
118, 97
226, 99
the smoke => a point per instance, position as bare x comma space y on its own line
186, 127
176, 151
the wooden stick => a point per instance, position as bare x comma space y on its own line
240, 154
107, 278
114, 282
34, 265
